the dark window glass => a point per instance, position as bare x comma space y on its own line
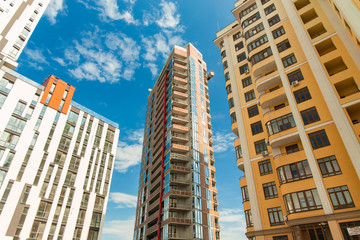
265, 167
246, 81
228, 89
253, 111
260, 56
257, 43
245, 194
340, 197
283, 45
329, 166
264, 1
289, 60
293, 172
239, 46
231, 102
223, 54
319, 139
302, 95
274, 20
295, 76
256, 128
277, 107
283, 237
302, 201
270, 9
233, 117
253, 31
275, 216
248, 10
270, 190
227, 76
310, 115
225, 65
236, 36
278, 32
248, 218
241, 57
250, 20
238, 152
250, 95
280, 124
291, 149
260, 146
244, 69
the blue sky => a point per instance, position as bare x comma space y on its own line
112, 51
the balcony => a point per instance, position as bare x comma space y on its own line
285, 158
179, 103
179, 181
179, 128
179, 80
180, 74
267, 80
179, 67
180, 137
272, 114
179, 157
209, 125
211, 142
271, 98
208, 109
180, 87
264, 66
179, 148
180, 111
180, 193
180, 207
179, 119
282, 130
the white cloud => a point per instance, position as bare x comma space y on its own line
54, 8
232, 224
223, 141
110, 10
119, 229
169, 17
36, 58
59, 61
129, 151
123, 200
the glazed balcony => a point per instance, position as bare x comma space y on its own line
180, 111
179, 128
270, 98
179, 103
265, 66
282, 130
234, 127
285, 158
267, 80
273, 114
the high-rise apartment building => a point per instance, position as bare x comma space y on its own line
18, 19
293, 83
56, 161
177, 184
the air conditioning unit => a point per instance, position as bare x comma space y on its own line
247, 71
265, 153
295, 83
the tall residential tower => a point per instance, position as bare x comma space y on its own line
177, 184
293, 83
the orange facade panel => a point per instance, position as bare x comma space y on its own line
47, 84
57, 94
68, 100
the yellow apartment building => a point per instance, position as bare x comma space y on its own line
292, 79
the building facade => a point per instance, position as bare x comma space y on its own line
18, 20
292, 78
56, 161
177, 184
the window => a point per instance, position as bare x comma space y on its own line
245, 194
310, 115
295, 76
5, 85
244, 69
248, 218
247, 10
293, 172
329, 166
250, 95
241, 57
253, 31
340, 197
264, 1
275, 19
283, 237
238, 152
246, 82
236, 36
302, 201
16, 124
270, 190
73, 117
64, 144
19, 109
223, 54
257, 43
43, 210
289, 60
231, 102
260, 146
250, 20
275, 216
319, 139
2, 99
239, 46
280, 124
7, 191
292, 148
265, 167
70, 179
256, 128
37, 230
260, 56
278, 32
225, 65
302, 95
227, 76
253, 111
228, 89
283, 45
26, 194
270, 9
233, 117
9, 140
